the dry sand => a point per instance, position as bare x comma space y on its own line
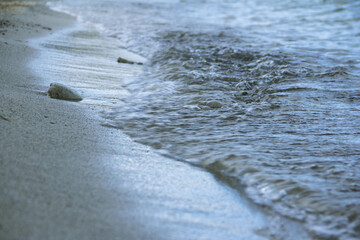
64, 176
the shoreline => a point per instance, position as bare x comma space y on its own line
64, 176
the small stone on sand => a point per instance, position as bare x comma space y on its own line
214, 104
61, 91
123, 60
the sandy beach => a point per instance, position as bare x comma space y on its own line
65, 176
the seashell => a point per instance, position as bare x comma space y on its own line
61, 91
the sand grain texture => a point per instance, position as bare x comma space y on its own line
49, 186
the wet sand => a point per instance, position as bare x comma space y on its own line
64, 176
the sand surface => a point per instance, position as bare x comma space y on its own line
64, 176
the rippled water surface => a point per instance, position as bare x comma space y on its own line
264, 94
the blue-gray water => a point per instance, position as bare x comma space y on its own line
264, 94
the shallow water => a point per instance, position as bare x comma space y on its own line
264, 94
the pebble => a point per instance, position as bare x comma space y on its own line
60, 91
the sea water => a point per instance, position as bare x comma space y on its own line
263, 94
